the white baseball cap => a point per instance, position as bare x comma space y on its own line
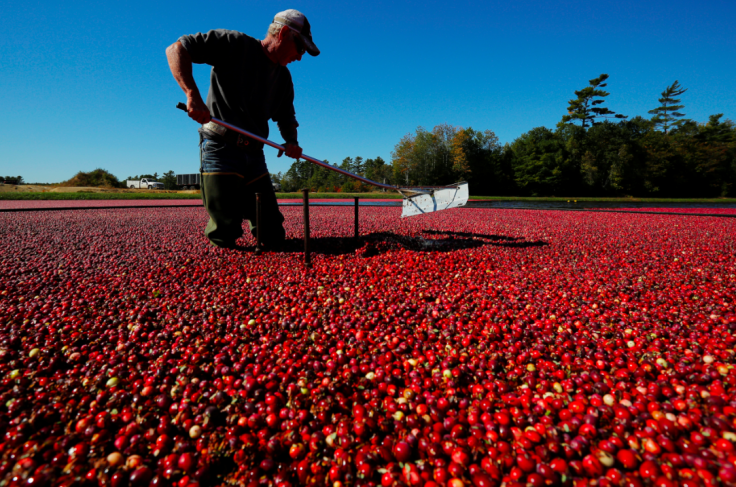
297, 21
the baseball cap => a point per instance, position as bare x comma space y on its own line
298, 22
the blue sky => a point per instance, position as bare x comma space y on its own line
86, 84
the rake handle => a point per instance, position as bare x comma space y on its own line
182, 106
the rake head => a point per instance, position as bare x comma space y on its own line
419, 202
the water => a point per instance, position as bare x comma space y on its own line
581, 205
535, 205
18, 206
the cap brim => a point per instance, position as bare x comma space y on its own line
310, 46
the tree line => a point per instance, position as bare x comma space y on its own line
593, 151
303, 174
12, 179
105, 179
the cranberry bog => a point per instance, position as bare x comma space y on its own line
467, 347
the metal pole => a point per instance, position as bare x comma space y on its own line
307, 257
258, 224
357, 233
182, 106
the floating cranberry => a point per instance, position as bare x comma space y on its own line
141, 477
402, 451
186, 462
475, 349
628, 459
119, 479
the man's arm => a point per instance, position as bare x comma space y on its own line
180, 64
288, 132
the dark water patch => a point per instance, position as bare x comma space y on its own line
582, 205
538, 205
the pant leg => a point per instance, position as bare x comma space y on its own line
272, 225
230, 179
222, 196
222, 191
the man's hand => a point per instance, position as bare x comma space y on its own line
198, 111
292, 150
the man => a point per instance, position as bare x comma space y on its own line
249, 84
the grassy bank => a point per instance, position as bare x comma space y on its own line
98, 196
176, 196
187, 196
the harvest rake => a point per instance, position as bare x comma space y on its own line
416, 200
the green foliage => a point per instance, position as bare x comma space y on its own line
99, 178
450, 154
541, 163
12, 179
377, 170
303, 174
425, 158
586, 107
278, 178
627, 158
666, 115
169, 180
358, 166
715, 156
97, 196
604, 155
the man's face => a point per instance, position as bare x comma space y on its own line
290, 47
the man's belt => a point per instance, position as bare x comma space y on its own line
234, 138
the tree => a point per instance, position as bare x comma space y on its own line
276, 178
348, 164
711, 155
402, 159
97, 178
666, 115
440, 163
346, 183
460, 162
478, 159
169, 180
377, 170
540, 162
619, 168
297, 175
589, 168
427, 159
358, 166
449, 154
585, 108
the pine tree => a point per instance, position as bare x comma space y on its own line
358, 165
585, 109
169, 180
666, 115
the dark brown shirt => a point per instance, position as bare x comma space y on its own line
246, 88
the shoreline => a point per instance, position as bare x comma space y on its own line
195, 195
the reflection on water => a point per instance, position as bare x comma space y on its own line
346, 203
536, 205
